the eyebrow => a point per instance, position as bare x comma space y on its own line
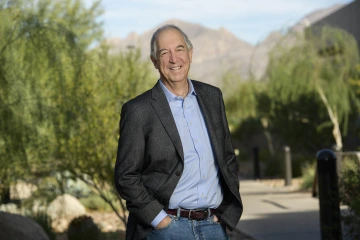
164, 49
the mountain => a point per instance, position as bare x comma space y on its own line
287, 37
217, 51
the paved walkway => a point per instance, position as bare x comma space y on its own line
276, 213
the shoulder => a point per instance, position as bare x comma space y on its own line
134, 109
139, 101
204, 85
209, 89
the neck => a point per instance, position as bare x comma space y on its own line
178, 88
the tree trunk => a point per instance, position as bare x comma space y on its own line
334, 119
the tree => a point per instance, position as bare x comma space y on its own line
247, 105
320, 64
91, 151
40, 52
60, 97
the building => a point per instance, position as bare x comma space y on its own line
347, 18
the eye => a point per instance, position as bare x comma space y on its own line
180, 49
162, 54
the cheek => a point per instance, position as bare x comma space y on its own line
163, 67
186, 60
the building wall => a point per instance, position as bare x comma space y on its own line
347, 18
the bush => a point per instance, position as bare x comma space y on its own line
95, 202
350, 196
308, 175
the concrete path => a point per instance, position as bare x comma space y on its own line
276, 213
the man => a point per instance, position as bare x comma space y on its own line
175, 165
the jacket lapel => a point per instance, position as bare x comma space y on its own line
163, 111
206, 102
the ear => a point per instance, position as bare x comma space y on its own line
190, 54
154, 61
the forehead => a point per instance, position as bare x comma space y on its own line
170, 38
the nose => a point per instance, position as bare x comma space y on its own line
173, 57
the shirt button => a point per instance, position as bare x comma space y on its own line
177, 173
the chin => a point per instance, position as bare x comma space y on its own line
179, 79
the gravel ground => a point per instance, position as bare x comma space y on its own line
277, 183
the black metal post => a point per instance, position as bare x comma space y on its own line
256, 163
315, 185
288, 166
330, 221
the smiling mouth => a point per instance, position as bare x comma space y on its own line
175, 68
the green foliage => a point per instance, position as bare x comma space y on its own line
350, 195
299, 122
308, 96
308, 175
354, 80
96, 203
324, 60
240, 98
60, 96
317, 68
41, 64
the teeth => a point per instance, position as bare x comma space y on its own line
175, 68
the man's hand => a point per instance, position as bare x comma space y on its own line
164, 223
215, 218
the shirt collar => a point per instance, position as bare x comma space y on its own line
170, 96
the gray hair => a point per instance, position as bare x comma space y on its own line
153, 47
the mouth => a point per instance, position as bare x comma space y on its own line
175, 68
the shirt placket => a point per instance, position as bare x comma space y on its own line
197, 136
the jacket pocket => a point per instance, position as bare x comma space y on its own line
155, 182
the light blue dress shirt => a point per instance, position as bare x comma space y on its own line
199, 185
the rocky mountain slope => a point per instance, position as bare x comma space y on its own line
217, 51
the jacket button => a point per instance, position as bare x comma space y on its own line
177, 173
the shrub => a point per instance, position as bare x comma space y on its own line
308, 174
350, 195
95, 202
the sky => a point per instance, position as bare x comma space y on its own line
249, 20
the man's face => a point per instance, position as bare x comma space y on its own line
173, 56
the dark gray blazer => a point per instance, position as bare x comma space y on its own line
150, 158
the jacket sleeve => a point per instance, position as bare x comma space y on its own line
128, 167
